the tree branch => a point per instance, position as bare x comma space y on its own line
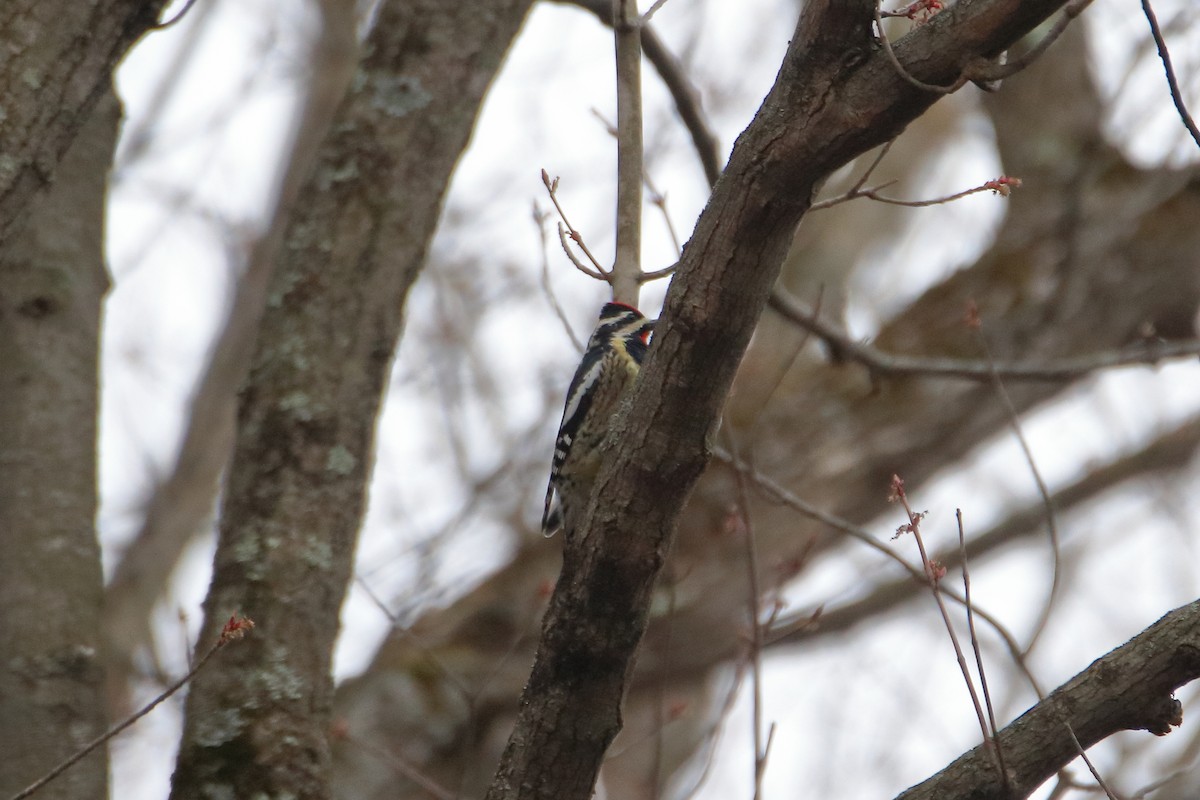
294, 498
836, 96
894, 365
183, 502
1128, 689
1172, 82
627, 260
60, 58
683, 93
1171, 452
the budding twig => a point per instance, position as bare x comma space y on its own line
234, 629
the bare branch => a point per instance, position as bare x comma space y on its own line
1091, 767
984, 71
599, 273
539, 219
980, 69
234, 629
1171, 451
934, 572
992, 727
1172, 81
1014, 421
900, 69
882, 364
790, 631
1128, 689
627, 260
167, 23
1002, 186
683, 93
754, 613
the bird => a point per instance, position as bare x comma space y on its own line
606, 373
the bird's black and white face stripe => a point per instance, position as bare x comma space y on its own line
620, 322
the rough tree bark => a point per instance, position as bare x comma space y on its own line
829, 432
183, 504
257, 723
56, 63
52, 282
836, 96
1130, 689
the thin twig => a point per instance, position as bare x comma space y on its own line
652, 10
714, 738
1091, 767
658, 274
756, 627
883, 364
782, 495
234, 629
933, 575
1171, 452
874, 165
563, 234
398, 764
167, 23
781, 374
993, 741
1002, 186
659, 200
904, 73
683, 93
1014, 420
599, 273
444, 672
984, 71
539, 219
1172, 81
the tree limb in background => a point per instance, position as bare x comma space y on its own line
881, 364
683, 93
570, 708
1171, 452
830, 433
54, 280
1129, 689
258, 722
183, 503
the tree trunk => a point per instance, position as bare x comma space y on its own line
52, 283
257, 722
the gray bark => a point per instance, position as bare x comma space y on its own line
56, 62
257, 722
52, 282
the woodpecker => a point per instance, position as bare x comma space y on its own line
606, 373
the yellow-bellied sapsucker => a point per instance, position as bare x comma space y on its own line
607, 372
